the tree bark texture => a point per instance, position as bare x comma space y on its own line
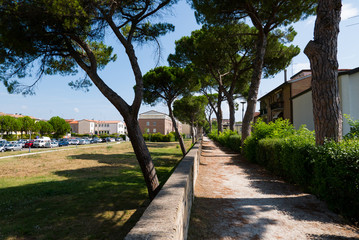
254, 86
231, 113
179, 136
322, 54
219, 112
143, 155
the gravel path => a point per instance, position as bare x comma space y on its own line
235, 199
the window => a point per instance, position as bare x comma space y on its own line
154, 123
148, 130
147, 123
154, 130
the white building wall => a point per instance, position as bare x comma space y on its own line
349, 91
303, 111
349, 94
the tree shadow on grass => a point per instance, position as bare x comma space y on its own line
102, 202
81, 207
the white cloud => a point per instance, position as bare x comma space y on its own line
23, 107
76, 110
300, 66
348, 11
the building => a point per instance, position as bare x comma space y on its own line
157, 122
110, 127
348, 90
278, 102
94, 127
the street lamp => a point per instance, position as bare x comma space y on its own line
242, 110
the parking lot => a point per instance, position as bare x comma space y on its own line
43, 145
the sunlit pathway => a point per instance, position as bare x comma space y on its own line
235, 199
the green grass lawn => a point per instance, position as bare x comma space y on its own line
93, 193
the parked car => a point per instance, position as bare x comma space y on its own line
84, 141
13, 147
41, 142
109, 139
51, 144
63, 143
74, 141
29, 143
2, 147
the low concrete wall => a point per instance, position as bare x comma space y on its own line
167, 216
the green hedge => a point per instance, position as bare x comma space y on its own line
227, 138
330, 171
159, 137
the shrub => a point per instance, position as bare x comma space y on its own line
336, 176
354, 128
227, 138
159, 137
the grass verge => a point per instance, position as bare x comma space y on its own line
93, 193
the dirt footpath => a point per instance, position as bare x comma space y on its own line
235, 199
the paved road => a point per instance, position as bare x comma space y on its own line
235, 199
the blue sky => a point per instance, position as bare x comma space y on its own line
55, 98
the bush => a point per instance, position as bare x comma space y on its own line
336, 176
227, 138
330, 171
159, 137
354, 128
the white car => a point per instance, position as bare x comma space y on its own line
13, 147
51, 144
2, 147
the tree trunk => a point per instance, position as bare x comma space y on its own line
255, 82
231, 113
143, 155
179, 136
322, 54
219, 112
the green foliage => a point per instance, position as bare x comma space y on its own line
227, 138
159, 137
60, 126
354, 128
190, 109
70, 34
166, 84
329, 171
44, 127
336, 178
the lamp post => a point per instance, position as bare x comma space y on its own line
242, 110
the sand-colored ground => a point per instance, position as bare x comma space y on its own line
235, 199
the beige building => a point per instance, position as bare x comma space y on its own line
157, 122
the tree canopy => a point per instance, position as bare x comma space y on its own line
166, 84
267, 17
57, 37
60, 126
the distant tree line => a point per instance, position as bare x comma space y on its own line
9, 126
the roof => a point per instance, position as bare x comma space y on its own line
152, 112
16, 115
297, 77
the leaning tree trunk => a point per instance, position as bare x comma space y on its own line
179, 136
322, 54
254, 86
143, 155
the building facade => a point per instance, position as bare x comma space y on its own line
277, 103
94, 127
157, 122
348, 82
